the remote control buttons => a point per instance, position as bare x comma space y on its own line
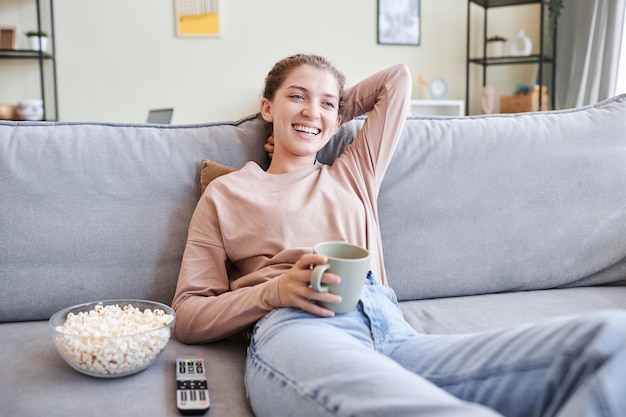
192, 387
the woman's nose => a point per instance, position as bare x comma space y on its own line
312, 111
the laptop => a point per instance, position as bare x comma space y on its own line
160, 116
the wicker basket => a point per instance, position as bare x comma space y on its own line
525, 103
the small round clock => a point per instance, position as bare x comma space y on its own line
439, 89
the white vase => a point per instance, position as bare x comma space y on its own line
38, 41
521, 45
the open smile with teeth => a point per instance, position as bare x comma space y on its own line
306, 129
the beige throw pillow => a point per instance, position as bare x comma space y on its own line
211, 170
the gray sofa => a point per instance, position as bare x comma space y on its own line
487, 222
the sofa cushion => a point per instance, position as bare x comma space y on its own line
476, 313
33, 369
100, 211
499, 203
31, 360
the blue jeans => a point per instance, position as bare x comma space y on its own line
372, 363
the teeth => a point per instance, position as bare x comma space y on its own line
306, 129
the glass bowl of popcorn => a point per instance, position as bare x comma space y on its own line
114, 338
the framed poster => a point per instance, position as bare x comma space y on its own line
197, 17
399, 22
8, 38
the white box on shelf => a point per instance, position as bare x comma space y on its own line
437, 108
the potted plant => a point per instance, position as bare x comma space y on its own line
38, 40
495, 46
554, 12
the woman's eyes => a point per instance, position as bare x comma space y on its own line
300, 97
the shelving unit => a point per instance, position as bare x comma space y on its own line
542, 59
43, 59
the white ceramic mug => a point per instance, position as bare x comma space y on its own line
351, 263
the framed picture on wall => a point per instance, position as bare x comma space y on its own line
197, 17
399, 22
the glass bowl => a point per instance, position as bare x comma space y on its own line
113, 338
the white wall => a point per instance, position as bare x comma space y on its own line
118, 58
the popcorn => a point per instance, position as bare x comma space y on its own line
109, 340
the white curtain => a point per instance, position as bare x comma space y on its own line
588, 46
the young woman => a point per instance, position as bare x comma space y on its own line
247, 266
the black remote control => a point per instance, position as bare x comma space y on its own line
192, 395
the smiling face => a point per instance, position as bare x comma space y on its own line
305, 114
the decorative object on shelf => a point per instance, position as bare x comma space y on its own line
439, 89
495, 46
421, 82
31, 109
38, 40
521, 45
522, 89
525, 102
554, 12
8, 111
399, 22
419, 108
197, 17
8, 39
488, 99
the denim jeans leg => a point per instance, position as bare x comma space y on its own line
301, 365
566, 367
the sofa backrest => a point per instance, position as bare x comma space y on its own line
100, 211
469, 205
507, 203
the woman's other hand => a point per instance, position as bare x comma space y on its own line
269, 146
